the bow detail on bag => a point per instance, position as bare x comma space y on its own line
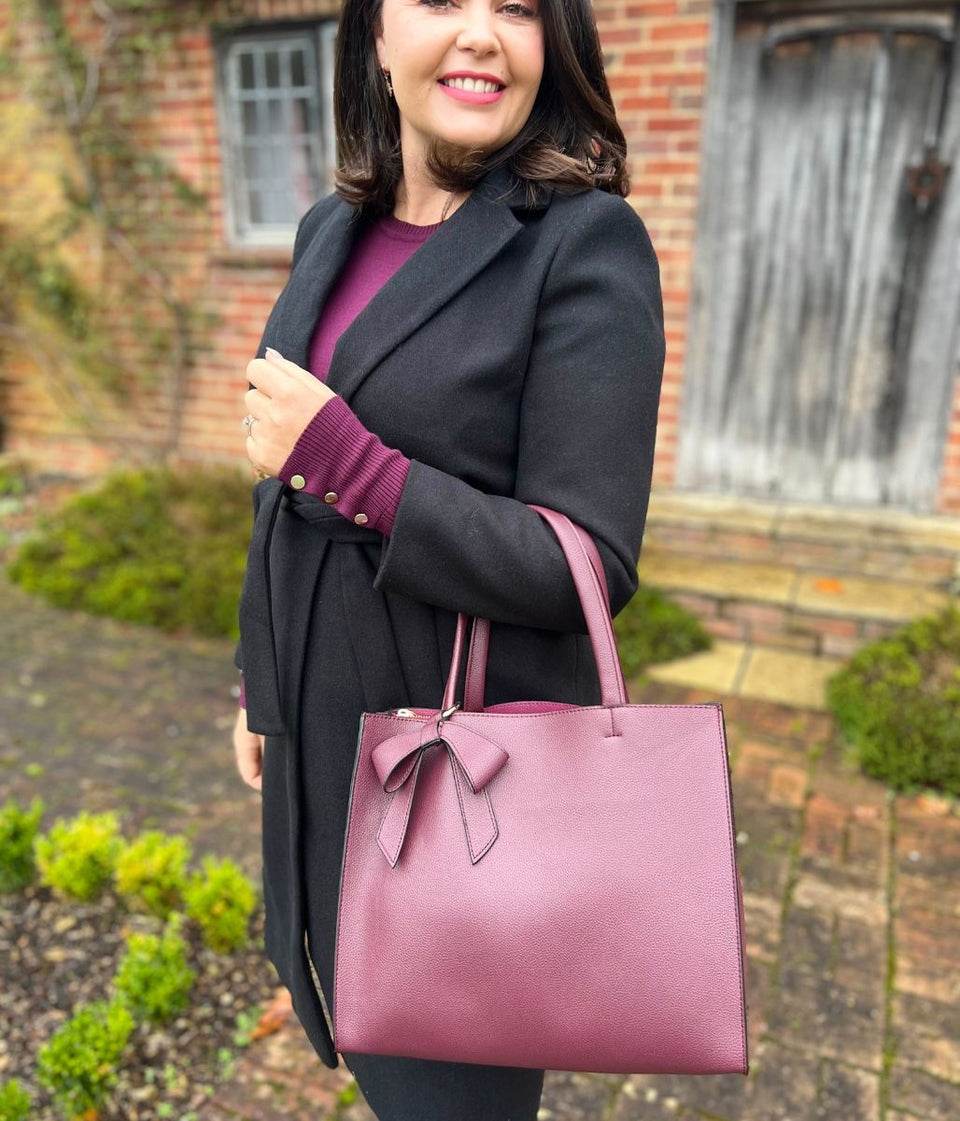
474, 760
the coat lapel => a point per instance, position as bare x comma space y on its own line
440, 268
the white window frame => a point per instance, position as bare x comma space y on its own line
317, 41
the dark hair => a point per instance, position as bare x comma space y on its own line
571, 141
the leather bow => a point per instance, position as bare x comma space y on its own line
474, 760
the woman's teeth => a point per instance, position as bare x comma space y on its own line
472, 85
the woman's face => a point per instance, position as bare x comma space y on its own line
426, 44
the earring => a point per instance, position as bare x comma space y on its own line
386, 75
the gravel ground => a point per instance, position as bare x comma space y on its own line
55, 954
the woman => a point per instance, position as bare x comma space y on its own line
473, 322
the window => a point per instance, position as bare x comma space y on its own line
275, 92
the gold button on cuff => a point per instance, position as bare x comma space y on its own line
361, 519
330, 497
298, 482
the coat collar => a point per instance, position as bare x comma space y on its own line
463, 245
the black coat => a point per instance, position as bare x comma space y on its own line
516, 357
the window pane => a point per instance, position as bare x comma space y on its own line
247, 79
254, 164
275, 120
272, 59
297, 68
256, 209
249, 116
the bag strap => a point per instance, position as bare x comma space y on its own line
586, 568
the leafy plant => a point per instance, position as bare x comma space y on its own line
150, 871
897, 701
78, 856
221, 899
13, 477
18, 832
163, 546
15, 1102
153, 979
77, 1064
652, 628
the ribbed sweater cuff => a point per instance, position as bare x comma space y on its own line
348, 466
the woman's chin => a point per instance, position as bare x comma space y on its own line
462, 142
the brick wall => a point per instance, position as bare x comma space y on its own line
656, 58
655, 53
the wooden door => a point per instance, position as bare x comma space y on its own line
825, 318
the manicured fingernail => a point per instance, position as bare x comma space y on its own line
271, 353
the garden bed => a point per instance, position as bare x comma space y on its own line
55, 954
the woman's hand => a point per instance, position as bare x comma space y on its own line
249, 751
284, 401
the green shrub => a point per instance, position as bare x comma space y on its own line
77, 857
151, 871
14, 1102
18, 832
652, 628
897, 701
13, 483
159, 546
153, 979
221, 900
77, 1064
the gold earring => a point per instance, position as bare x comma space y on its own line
386, 75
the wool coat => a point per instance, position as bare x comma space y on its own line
516, 358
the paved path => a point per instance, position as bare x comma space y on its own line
852, 899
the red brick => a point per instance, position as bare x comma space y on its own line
685, 29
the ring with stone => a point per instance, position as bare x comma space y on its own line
248, 422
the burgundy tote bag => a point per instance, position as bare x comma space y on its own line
538, 884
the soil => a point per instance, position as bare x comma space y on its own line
57, 953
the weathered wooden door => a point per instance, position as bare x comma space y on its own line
825, 320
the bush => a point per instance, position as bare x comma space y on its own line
18, 831
14, 1102
151, 871
153, 979
652, 628
13, 484
159, 546
220, 900
77, 857
897, 701
78, 1062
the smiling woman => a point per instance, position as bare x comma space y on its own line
403, 113
464, 73
473, 325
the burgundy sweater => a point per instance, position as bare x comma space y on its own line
336, 457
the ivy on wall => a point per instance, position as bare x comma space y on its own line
87, 293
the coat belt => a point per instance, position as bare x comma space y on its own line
257, 632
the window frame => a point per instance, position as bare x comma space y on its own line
320, 33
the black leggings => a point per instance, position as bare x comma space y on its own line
400, 1089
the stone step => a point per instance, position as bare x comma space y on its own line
891, 544
739, 669
807, 610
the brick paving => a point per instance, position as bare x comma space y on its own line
851, 895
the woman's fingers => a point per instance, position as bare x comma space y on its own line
248, 748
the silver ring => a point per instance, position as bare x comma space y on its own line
248, 422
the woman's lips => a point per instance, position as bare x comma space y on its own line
470, 95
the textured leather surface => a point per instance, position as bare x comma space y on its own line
557, 884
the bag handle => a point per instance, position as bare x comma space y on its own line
586, 569
474, 683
